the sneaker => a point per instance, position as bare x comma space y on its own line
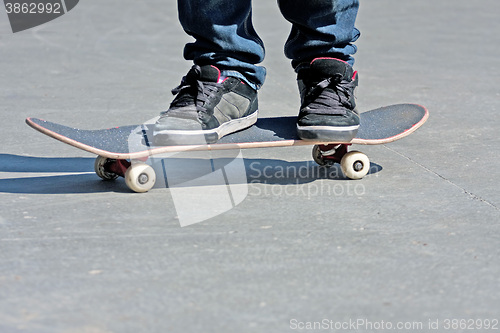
206, 108
328, 110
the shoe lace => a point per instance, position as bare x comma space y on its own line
192, 91
331, 94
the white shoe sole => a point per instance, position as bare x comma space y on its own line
327, 133
175, 137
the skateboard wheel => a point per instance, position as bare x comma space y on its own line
355, 165
318, 157
100, 169
140, 177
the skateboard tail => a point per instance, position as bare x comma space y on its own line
403, 133
35, 124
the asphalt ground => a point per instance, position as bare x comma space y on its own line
413, 246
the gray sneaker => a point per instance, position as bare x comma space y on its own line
328, 109
206, 108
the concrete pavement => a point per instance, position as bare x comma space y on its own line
416, 241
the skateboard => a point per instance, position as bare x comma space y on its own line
123, 151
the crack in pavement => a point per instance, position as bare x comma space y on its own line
469, 193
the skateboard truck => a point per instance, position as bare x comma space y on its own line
354, 164
139, 176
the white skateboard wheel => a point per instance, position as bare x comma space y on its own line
355, 165
99, 163
140, 177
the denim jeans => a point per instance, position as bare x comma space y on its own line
225, 37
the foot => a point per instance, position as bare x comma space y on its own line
327, 111
206, 108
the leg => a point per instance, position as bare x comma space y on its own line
320, 28
321, 48
218, 96
224, 37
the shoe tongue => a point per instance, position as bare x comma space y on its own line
209, 73
328, 67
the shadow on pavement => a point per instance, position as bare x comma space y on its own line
82, 178
16, 163
86, 182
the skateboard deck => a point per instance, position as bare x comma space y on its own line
379, 126
116, 146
